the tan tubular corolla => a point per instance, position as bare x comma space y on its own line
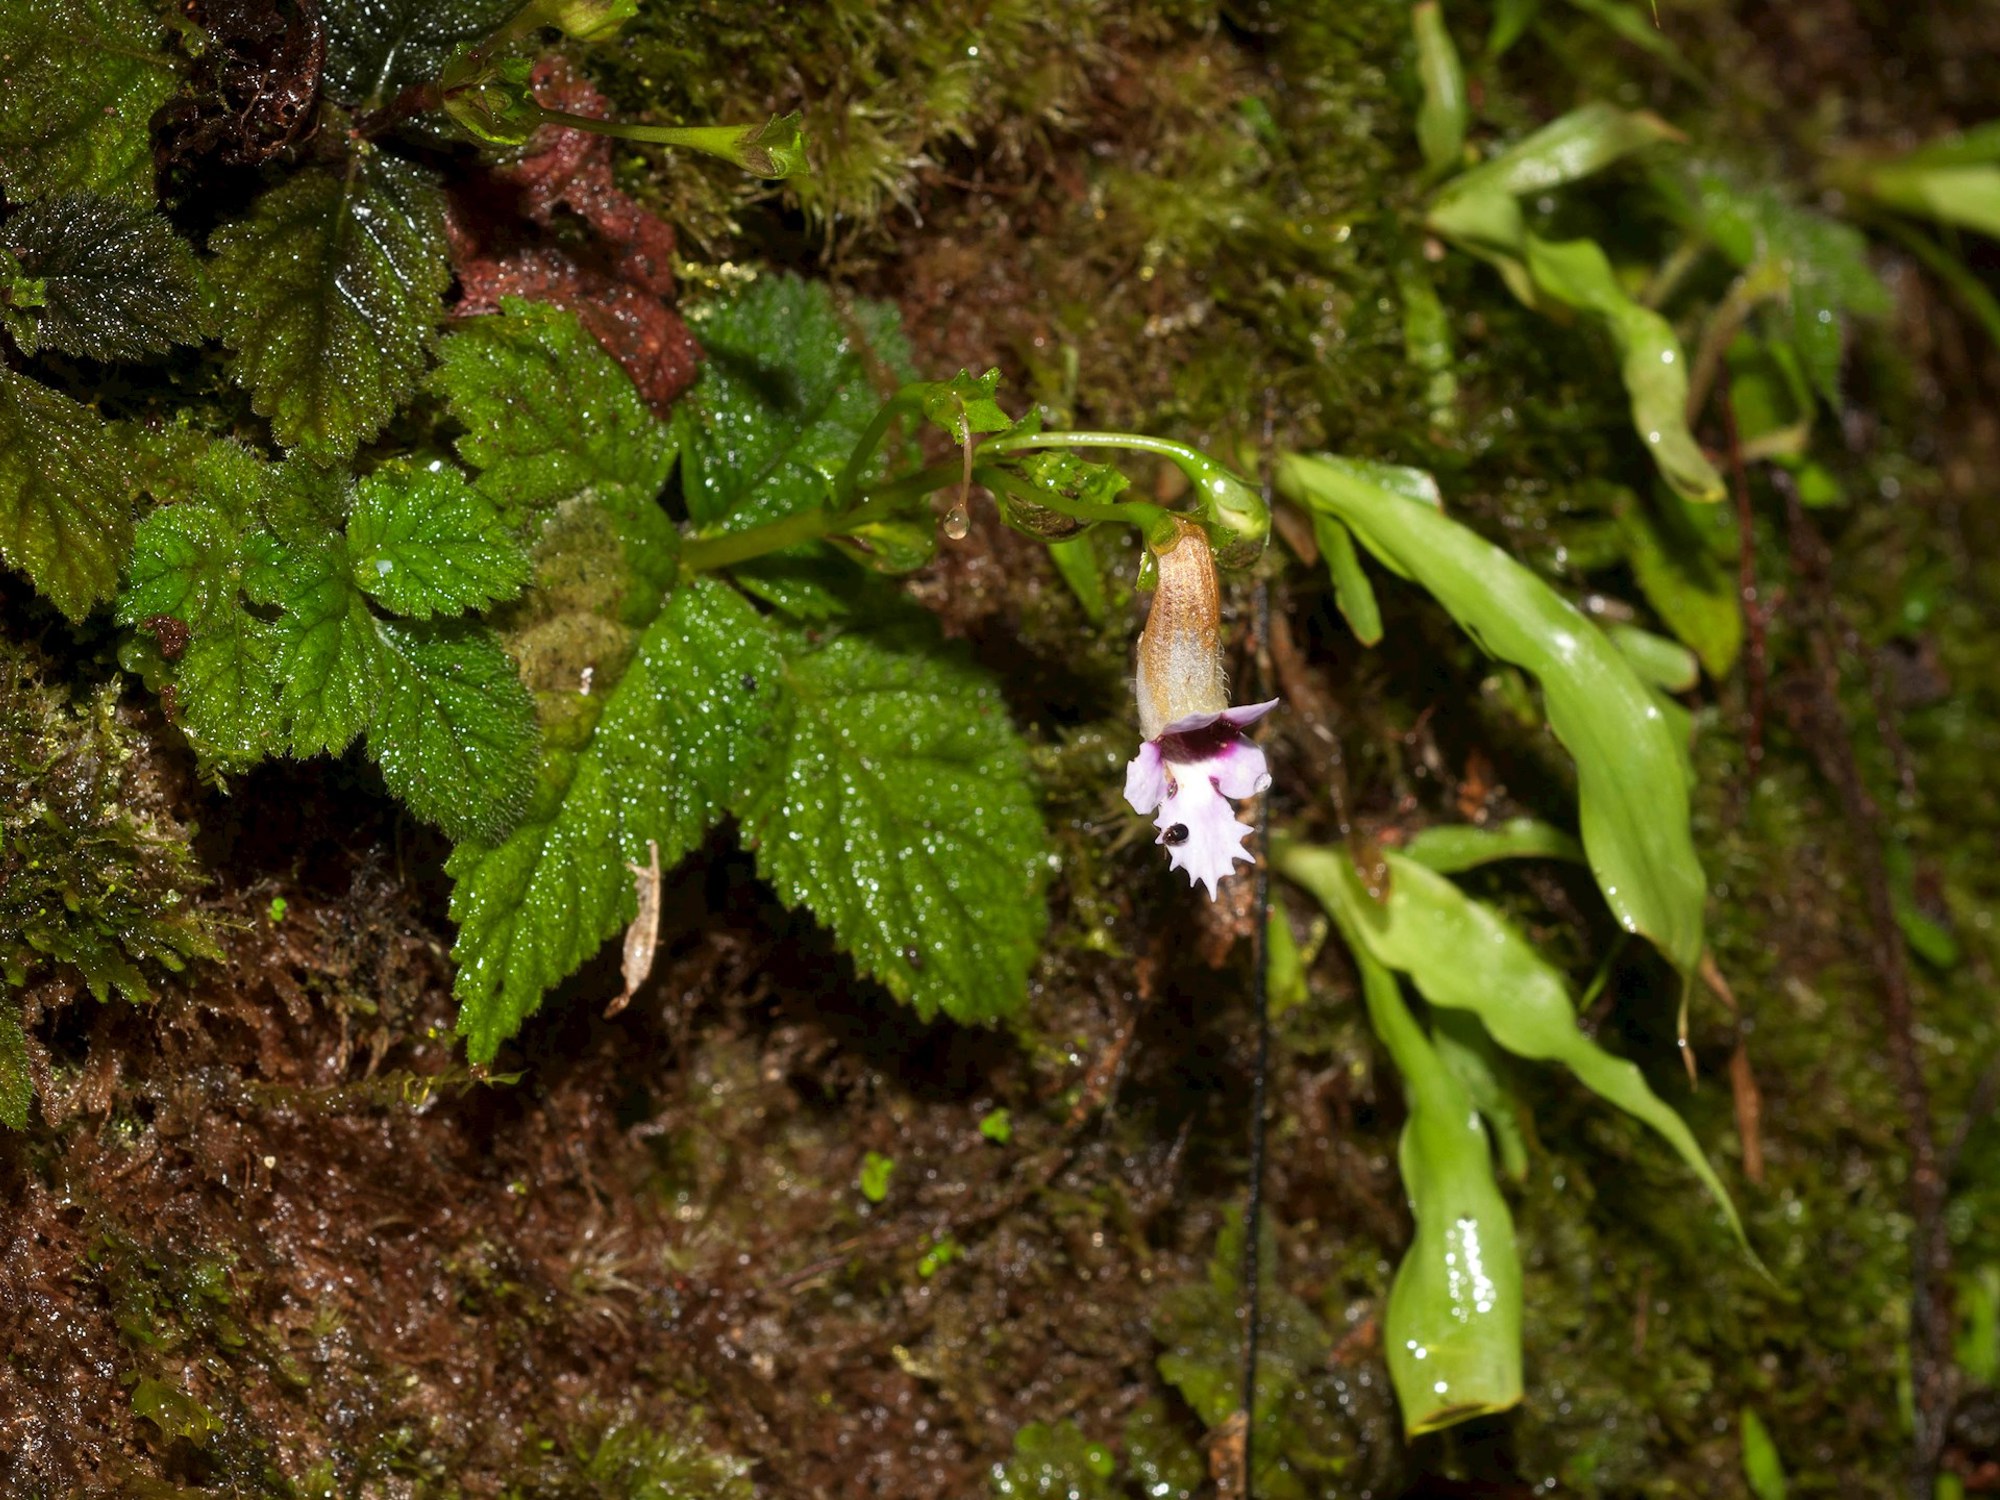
1180, 668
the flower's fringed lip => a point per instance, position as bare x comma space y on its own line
1199, 831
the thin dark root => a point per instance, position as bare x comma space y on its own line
1253, 1211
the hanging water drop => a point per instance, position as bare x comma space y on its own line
957, 521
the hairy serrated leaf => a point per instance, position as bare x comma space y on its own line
678, 739
79, 82
784, 395
374, 47
965, 404
65, 495
117, 282
326, 638
547, 413
454, 732
901, 816
331, 290
189, 563
789, 387
424, 542
283, 652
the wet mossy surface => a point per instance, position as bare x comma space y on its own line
266, 1236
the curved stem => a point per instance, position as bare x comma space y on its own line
1179, 452
1139, 513
626, 130
893, 492
704, 554
849, 479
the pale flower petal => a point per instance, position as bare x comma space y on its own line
1238, 769
1246, 714
1146, 778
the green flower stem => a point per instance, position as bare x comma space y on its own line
696, 136
1180, 453
848, 482
753, 148
1235, 516
1132, 513
705, 554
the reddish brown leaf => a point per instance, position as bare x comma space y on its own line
616, 281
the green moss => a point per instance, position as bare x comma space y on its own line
634, 1462
888, 90
95, 873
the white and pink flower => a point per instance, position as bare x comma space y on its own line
1196, 756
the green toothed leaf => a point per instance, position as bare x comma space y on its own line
285, 654
82, 81
789, 386
66, 490
454, 732
375, 47
424, 542
900, 815
547, 413
678, 735
965, 404
784, 395
188, 564
116, 281
329, 678
331, 290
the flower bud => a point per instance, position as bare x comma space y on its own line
1238, 520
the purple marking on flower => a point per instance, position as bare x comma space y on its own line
1188, 774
